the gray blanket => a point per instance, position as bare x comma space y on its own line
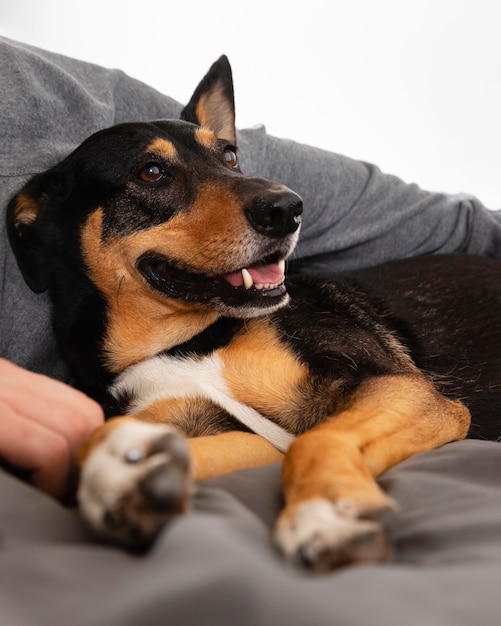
217, 565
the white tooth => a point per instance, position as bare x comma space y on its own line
281, 264
247, 278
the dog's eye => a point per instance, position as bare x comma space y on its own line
230, 156
152, 173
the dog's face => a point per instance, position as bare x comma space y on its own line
160, 220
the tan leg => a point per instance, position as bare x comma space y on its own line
221, 454
332, 499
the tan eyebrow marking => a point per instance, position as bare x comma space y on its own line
205, 137
163, 147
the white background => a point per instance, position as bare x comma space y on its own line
414, 86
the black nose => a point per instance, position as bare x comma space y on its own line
276, 213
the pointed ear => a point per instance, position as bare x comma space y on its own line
28, 228
212, 105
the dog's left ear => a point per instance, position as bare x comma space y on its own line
29, 227
213, 105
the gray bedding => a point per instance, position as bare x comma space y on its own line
217, 565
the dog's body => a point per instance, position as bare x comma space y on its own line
165, 264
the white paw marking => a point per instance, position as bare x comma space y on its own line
109, 486
322, 535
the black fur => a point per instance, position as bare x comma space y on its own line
443, 309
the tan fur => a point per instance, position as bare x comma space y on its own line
205, 137
227, 452
167, 411
194, 417
26, 211
221, 248
272, 374
163, 148
389, 419
140, 323
215, 100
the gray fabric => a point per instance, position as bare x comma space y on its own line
217, 566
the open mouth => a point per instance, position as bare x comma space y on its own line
260, 284
261, 276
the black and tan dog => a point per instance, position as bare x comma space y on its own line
166, 268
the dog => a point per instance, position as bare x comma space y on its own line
166, 267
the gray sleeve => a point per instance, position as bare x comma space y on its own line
51, 103
355, 215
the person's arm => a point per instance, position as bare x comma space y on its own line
355, 215
43, 422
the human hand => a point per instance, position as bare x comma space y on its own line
43, 422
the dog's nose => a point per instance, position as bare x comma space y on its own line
277, 213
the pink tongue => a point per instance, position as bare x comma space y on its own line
261, 274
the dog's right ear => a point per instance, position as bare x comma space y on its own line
213, 105
28, 228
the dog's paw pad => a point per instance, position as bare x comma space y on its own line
322, 535
134, 481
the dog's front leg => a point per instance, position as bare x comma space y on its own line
332, 500
217, 455
136, 475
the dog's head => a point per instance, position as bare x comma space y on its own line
158, 219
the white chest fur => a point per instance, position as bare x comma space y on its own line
162, 377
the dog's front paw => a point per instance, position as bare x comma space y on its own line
323, 535
134, 481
